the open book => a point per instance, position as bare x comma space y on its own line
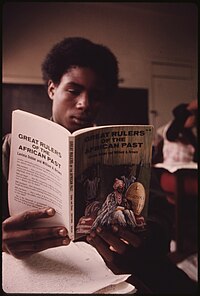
74, 269
95, 176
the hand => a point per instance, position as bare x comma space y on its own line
115, 245
124, 250
21, 240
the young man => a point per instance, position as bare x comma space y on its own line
80, 76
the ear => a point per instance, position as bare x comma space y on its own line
51, 89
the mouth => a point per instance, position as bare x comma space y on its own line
82, 121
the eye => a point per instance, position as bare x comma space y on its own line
74, 91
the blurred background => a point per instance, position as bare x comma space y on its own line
156, 46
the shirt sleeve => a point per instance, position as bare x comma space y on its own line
6, 141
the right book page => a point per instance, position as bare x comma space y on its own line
112, 175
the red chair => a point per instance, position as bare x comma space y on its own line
181, 187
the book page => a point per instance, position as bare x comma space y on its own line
112, 176
172, 168
120, 288
76, 268
38, 173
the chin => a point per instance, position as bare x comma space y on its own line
74, 128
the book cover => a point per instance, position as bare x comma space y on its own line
112, 175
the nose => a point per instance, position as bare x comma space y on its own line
83, 101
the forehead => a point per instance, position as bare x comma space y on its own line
83, 76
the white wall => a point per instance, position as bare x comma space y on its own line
141, 35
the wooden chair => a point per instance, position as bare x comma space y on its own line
181, 186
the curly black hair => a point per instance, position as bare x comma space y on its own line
78, 51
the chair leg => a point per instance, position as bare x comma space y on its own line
179, 219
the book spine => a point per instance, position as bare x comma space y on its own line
71, 187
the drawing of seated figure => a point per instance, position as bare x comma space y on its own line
116, 209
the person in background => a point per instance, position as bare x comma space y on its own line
178, 138
81, 76
91, 186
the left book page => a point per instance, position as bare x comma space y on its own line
38, 172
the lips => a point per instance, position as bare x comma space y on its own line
80, 120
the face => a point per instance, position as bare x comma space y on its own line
77, 99
118, 185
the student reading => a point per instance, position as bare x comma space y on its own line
80, 77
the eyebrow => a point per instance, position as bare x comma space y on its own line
80, 86
71, 83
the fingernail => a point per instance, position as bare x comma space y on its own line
62, 232
92, 234
65, 242
50, 212
88, 238
115, 228
99, 229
